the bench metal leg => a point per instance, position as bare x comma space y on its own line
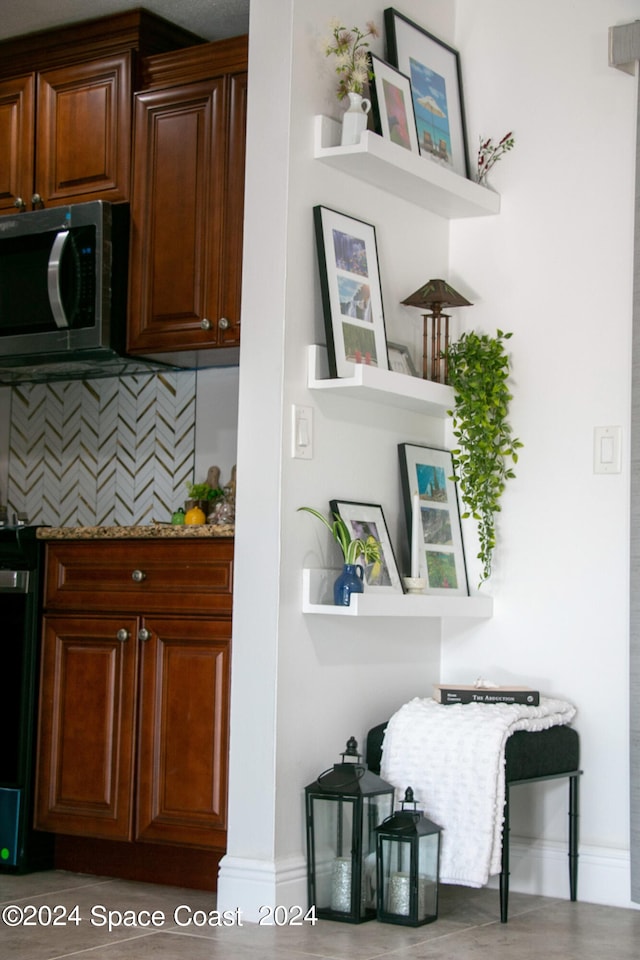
504, 871
573, 845
573, 836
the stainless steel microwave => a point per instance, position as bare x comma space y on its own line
63, 293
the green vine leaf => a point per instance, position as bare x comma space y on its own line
478, 373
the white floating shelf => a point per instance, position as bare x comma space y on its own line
380, 386
408, 175
317, 588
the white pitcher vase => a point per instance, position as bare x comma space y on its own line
354, 120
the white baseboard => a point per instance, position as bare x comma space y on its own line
255, 887
542, 868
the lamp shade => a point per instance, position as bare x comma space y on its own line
435, 295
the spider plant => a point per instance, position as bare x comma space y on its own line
352, 548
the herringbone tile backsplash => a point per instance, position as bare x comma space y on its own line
95, 452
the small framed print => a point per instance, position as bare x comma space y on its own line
351, 292
367, 520
433, 519
400, 359
434, 71
392, 105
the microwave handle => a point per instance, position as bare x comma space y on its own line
53, 280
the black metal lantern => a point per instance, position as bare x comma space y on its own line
343, 807
408, 862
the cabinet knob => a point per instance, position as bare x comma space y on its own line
36, 200
144, 634
223, 323
138, 576
122, 635
20, 204
205, 324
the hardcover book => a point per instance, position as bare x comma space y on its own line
461, 693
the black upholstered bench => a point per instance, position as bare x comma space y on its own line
529, 756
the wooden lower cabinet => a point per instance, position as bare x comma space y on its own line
87, 727
133, 728
182, 760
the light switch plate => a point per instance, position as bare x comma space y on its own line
301, 432
607, 454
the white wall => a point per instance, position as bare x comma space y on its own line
302, 685
556, 269
216, 421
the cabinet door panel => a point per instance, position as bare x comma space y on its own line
83, 132
184, 706
87, 704
231, 264
16, 141
177, 215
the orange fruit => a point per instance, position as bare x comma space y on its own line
194, 515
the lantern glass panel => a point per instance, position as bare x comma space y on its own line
343, 856
409, 877
333, 831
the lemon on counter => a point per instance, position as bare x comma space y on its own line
194, 516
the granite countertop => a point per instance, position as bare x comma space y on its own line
148, 531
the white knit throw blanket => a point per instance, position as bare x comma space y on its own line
453, 757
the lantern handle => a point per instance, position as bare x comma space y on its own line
355, 773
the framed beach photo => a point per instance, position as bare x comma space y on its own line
400, 359
367, 520
392, 105
433, 519
351, 292
433, 69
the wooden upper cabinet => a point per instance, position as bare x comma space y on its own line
188, 203
17, 126
231, 263
66, 98
83, 132
177, 214
65, 135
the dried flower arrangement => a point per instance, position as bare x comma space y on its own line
350, 50
489, 153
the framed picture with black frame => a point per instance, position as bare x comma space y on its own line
433, 68
351, 292
367, 520
434, 529
392, 105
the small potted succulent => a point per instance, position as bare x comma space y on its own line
351, 579
202, 496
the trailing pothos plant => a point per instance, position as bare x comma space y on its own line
478, 373
352, 549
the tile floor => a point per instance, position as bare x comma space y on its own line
467, 928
